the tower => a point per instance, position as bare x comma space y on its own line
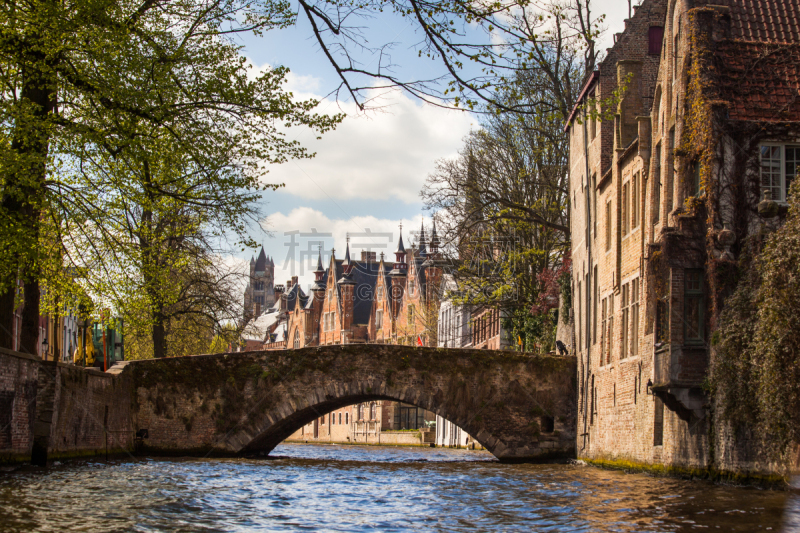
346, 288
398, 275
260, 291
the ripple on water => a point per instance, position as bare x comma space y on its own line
353, 488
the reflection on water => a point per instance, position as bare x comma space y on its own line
352, 488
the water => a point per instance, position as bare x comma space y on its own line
353, 488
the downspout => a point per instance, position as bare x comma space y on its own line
588, 291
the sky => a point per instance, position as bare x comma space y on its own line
367, 174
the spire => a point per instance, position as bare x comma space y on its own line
319, 261
261, 262
423, 251
347, 265
400, 257
318, 274
434, 244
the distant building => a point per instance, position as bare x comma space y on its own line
259, 293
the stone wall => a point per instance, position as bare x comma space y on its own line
519, 407
65, 410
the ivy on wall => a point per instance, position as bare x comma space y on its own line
756, 374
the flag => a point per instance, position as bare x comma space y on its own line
419, 340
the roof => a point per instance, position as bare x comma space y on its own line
261, 262
586, 87
775, 21
293, 294
761, 82
366, 277
258, 328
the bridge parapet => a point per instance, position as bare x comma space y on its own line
520, 407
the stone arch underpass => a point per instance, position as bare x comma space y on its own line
247, 403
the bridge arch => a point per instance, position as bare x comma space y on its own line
250, 402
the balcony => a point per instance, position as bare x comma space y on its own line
679, 373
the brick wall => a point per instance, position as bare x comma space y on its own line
88, 412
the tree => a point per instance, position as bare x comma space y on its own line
112, 81
504, 201
88, 73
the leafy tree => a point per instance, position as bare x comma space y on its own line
110, 84
504, 201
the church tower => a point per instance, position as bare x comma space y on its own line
260, 292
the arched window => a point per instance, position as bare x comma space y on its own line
347, 418
373, 411
297, 338
360, 412
340, 418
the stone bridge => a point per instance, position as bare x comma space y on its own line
520, 407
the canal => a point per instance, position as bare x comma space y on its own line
353, 488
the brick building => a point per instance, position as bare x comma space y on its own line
370, 300
661, 198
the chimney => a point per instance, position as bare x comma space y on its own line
294, 281
368, 257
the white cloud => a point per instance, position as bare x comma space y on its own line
384, 154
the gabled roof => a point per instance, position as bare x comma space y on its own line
293, 295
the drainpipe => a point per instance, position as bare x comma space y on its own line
588, 291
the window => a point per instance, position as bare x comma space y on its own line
379, 319
635, 202
658, 423
360, 412
297, 338
657, 186
655, 37
624, 217
675, 53
693, 311
624, 331
609, 223
603, 330
779, 165
380, 293
635, 317
610, 335
697, 190
347, 418
671, 169
594, 308
580, 331
373, 411
410, 313
662, 321
594, 205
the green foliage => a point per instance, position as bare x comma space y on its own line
537, 331
756, 372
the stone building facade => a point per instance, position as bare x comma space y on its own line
662, 195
